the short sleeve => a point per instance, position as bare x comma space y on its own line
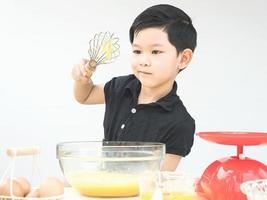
181, 138
114, 88
109, 89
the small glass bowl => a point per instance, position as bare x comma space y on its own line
168, 186
178, 185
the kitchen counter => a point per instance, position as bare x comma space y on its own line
71, 194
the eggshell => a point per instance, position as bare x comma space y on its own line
25, 184
52, 186
5, 188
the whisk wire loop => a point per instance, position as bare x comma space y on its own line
103, 49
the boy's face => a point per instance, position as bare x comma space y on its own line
154, 59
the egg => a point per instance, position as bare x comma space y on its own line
25, 184
51, 186
5, 188
34, 193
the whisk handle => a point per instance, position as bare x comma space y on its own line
23, 151
91, 67
89, 73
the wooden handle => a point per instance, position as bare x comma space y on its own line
91, 68
23, 151
89, 73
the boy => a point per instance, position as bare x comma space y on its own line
144, 106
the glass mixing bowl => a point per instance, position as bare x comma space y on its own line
108, 169
255, 190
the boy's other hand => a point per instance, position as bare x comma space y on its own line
79, 73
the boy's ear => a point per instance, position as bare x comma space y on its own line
185, 58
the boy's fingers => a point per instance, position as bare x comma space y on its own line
84, 67
75, 73
79, 72
84, 61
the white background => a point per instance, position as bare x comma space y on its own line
224, 88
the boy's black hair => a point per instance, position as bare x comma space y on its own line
175, 22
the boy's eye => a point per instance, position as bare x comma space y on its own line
156, 52
136, 51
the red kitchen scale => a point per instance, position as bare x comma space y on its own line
221, 180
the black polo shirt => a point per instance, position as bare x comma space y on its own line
166, 121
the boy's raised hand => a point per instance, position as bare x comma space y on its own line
79, 72
85, 91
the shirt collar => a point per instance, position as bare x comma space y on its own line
167, 102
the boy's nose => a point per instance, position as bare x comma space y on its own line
144, 60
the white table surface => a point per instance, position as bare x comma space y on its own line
71, 194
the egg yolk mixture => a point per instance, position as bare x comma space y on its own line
104, 184
171, 196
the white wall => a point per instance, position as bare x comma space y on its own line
223, 88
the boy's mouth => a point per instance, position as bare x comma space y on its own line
146, 73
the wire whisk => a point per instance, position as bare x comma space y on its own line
103, 49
